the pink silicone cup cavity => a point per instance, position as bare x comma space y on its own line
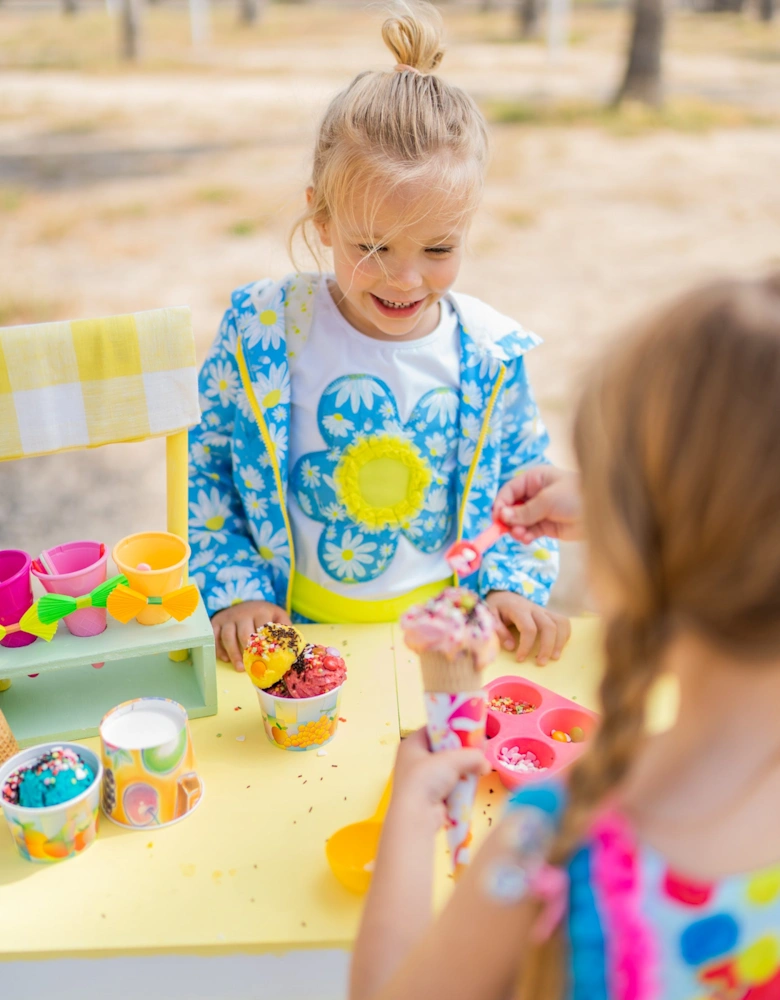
16, 594
531, 731
78, 567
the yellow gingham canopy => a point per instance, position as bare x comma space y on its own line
85, 383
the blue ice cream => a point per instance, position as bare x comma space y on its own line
56, 777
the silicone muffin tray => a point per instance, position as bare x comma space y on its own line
531, 730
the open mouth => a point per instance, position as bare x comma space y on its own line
399, 310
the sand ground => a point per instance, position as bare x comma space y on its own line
175, 181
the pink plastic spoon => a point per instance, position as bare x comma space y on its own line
465, 557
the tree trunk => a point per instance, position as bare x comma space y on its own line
70, 6
643, 78
766, 9
130, 29
529, 14
248, 11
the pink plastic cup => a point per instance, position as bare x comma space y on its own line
16, 594
78, 567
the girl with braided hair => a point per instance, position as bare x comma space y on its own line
655, 873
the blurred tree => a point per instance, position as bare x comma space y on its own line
643, 80
529, 14
248, 11
766, 9
130, 29
70, 6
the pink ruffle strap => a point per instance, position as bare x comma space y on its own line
615, 873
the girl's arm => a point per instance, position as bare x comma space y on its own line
218, 527
528, 570
473, 950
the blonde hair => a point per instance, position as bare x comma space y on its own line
395, 127
678, 440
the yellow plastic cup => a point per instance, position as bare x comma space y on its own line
165, 554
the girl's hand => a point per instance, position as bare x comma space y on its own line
233, 626
541, 501
422, 780
530, 621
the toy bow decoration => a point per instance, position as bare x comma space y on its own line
32, 624
124, 603
53, 607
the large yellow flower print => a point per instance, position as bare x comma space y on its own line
378, 478
381, 481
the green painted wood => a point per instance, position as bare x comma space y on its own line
69, 696
118, 642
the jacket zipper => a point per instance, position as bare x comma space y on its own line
477, 453
260, 420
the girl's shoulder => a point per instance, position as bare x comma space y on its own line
266, 293
492, 331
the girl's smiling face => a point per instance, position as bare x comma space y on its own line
391, 275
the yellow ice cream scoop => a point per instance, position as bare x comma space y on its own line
271, 652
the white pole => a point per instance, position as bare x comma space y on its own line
199, 22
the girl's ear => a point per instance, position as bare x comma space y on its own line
321, 225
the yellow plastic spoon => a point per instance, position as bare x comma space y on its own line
351, 851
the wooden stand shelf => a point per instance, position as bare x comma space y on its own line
69, 696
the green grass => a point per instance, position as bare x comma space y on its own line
630, 119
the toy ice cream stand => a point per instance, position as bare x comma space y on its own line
240, 893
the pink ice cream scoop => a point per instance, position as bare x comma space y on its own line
317, 670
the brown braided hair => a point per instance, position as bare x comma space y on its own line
678, 441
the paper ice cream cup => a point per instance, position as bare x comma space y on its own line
166, 555
53, 833
150, 775
455, 721
300, 723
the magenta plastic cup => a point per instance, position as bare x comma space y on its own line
16, 594
78, 568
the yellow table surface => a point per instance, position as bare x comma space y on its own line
247, 871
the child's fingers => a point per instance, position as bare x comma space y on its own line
244, 629
527, 628
281, 617
229, 638
219, 649
563, 634
505, 637
548, 633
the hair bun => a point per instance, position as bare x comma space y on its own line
414, 36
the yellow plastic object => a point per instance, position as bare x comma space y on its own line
351, 851
166, 553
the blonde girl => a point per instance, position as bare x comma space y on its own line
357, 422
656, 873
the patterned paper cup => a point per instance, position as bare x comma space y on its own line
300, 723
53, 833
150, 776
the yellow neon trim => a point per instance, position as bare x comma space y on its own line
323, 606
477, 452
260, 420
84, 602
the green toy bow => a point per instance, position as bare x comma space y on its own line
53, 607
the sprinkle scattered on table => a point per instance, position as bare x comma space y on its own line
240, 739
342, 719
237, 708
218, 735
310, 808
322, 753
150, 844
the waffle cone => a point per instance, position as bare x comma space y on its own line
8, 745
446, 676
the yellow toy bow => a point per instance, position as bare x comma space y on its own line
31, 624
124, 603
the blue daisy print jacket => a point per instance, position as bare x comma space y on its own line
239, 474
